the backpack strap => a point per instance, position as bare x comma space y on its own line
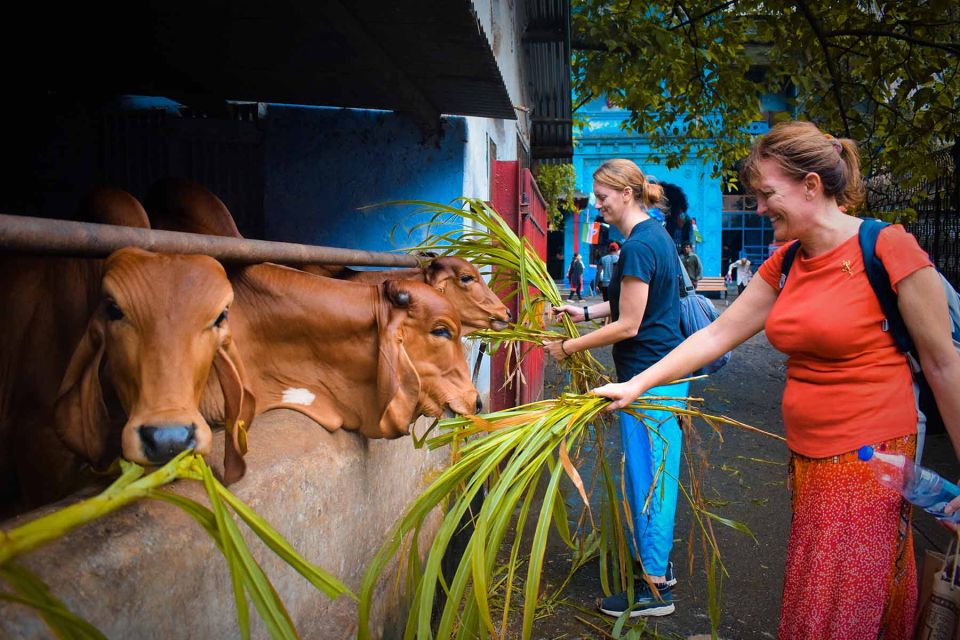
788, 257
880, 282
686, 285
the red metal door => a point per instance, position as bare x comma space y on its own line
517, 199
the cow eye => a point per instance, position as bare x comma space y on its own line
114, 312
466, 279
442, 332
221, 318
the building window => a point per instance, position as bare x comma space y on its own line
744, 230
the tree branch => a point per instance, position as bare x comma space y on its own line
585, 100
719, 7
949, 48
828, 59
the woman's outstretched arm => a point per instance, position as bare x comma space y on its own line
745, 317
633, 303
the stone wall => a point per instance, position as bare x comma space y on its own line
149, 571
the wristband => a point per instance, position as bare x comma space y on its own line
564, 350
586, 313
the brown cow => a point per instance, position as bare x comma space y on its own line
47, 304
160, 326
180, 205
367, 358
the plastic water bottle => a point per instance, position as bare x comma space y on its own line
921, 486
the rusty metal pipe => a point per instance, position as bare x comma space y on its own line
66, 237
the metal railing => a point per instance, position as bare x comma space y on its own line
937, 226
87, 239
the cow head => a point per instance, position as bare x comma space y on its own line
161, 325
462, 284
422, 369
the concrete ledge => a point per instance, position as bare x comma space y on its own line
149, 571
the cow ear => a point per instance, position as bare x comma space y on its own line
239, 408
398, 384
438, 273
80, 414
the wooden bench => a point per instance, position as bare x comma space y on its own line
712, 285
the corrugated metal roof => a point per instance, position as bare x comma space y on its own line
422, 56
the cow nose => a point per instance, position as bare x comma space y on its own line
161, 443
479, 405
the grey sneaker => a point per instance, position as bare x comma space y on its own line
644, 604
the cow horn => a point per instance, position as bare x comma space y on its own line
396, 293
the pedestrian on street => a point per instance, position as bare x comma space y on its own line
850, 571
606, 269
691, 262
575, 276
744, 273
644, 307
697, 236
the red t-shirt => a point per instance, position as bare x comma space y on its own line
847, 383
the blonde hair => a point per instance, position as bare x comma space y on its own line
800, 148
621, 173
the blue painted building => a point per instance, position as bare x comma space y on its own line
722, 219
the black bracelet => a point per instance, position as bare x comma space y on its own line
586, 313
564, 350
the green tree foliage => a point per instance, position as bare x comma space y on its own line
557, 183
691, 74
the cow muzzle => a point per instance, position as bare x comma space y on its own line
161, 443
470, 404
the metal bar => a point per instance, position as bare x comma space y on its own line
65, 237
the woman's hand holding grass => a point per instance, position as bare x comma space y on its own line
555, 349
621, 393
575, 313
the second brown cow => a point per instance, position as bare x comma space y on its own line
181, 205
366, 358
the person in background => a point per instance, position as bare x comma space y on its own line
644, 307
726, 257
575, 276
743, 272
691, 262
606, 269
850, 571
697, 238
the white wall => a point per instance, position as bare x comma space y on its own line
499, 19
500, 22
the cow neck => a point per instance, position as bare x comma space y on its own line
309, 343
377, 277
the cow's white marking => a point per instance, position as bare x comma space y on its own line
299, 396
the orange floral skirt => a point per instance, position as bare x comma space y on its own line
850, 572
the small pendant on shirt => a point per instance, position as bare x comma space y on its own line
846, 268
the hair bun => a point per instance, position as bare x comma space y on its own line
652, 194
